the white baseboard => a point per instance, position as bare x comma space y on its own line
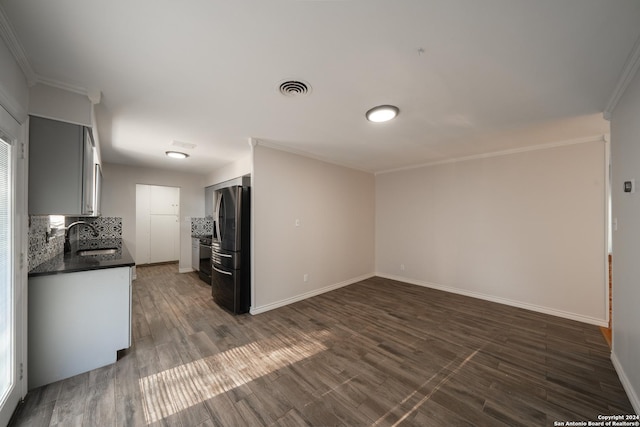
185, 269
296, 298
626, 384
540, 309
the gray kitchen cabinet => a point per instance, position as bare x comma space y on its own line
64, 177
77, 322
208, 201
195, 253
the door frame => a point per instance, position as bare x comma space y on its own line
17, 135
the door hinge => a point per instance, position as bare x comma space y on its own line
21, 370
22, 150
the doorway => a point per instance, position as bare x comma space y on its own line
611, 226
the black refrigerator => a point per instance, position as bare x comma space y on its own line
230, 252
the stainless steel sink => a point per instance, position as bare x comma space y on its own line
102, 251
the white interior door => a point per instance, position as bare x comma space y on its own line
11, 277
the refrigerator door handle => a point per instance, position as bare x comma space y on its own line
222, 272
218, 203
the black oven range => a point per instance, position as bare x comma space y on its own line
205, 259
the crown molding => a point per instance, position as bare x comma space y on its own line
68, 87
628, 73
302, 153
15, 47
593, 138
9, 36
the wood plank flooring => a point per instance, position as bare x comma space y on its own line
376, 353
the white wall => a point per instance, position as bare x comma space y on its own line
119, 195
54, 103
625, 161
335, 239
525, 229
233, 170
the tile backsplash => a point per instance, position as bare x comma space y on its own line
43, 246
107, 227
201, 226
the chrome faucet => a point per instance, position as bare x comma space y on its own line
67, 242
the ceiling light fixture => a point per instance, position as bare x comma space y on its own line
382, 113
176, 154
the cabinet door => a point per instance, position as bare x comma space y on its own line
164, 232
209, 201
88, 175
55, 167
164, 200
77, 322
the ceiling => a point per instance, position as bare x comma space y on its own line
469, 76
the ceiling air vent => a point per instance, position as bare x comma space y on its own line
294, 88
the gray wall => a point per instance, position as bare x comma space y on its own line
526, 229
119, 199
14, 92
625, 163
334, 241
58, 104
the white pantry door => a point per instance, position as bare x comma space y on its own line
157, 223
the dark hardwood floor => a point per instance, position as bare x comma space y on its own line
379, 353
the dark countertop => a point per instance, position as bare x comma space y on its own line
72, 262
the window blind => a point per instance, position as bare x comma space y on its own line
6, 288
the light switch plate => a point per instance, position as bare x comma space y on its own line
630, 186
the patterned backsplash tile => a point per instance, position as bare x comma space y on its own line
201, 226
107, 227
44, 245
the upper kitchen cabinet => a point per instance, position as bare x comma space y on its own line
164, 200
208, 201
64, 177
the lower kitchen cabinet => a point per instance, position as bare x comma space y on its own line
195, 253
77, 322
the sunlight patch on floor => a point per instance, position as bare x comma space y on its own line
452, 372
179, 388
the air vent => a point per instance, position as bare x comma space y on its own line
181, 144
294, 88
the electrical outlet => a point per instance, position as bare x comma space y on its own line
402, 267
297, 222
305, 278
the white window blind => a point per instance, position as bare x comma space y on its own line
6, 288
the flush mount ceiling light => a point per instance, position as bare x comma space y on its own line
176, 154
382, 113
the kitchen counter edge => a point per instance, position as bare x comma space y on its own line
71, 262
